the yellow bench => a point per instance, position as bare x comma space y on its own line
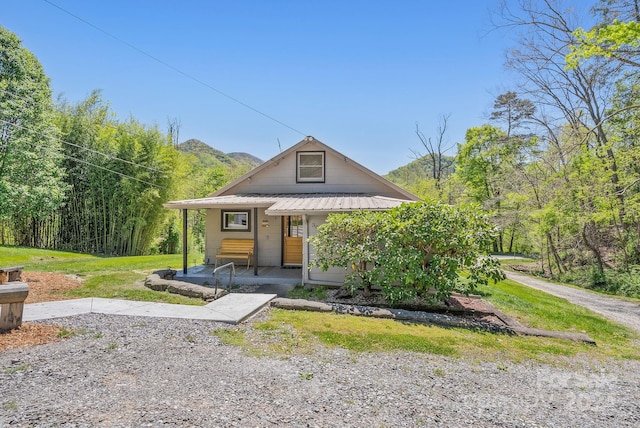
239, 249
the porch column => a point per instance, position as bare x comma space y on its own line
305, 250
184, 241
255, 241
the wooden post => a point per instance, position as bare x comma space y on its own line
184, 241
255, 241
12, 296
305, 249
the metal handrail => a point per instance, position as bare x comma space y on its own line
232, 274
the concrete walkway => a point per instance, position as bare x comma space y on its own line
232, 308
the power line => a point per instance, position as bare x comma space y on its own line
172, 67
108, 156
82, 160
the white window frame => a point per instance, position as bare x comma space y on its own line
227, 226
300, 166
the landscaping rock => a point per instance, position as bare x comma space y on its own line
157, 283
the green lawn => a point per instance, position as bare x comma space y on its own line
296, 331
286, 332
108, 277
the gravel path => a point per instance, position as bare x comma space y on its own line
618, 310
130, 371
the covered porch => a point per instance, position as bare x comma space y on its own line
270, 279
279, 226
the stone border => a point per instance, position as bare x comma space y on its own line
422, 317
162, 280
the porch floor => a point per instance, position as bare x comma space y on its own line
270, 279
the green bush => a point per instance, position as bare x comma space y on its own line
611, 281
415, 250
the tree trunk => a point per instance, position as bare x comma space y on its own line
587, 230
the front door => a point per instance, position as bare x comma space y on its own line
292, 240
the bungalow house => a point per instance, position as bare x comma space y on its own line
278, 205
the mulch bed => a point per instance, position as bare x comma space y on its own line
49, 286
472, 307
43, 287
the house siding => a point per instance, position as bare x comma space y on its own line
332, 276
269, 237
347, 186
340, 177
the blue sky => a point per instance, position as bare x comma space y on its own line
357, 75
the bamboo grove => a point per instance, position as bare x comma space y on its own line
74, 177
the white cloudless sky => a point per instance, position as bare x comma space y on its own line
357, 75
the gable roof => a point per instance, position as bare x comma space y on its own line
309, 140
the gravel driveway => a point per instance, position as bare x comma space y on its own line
131, 371
618, 310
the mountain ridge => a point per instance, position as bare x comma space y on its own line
210, 157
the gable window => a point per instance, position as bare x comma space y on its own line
311, 167
239, 221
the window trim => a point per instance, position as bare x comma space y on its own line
224, 213
312, 179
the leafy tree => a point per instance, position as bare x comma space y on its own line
619, 41
486, 164
31, 178
415, 250
351, 241
427, 245
570, 118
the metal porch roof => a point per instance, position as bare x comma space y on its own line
294, 203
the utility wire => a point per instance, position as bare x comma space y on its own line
108, 156
172, 67
81, 160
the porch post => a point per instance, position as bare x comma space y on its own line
255, 241
184, 241
305, 250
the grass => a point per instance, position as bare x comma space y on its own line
232, 337
10, 405
107, 277
298, 332
359, 334
301, 292
20, 368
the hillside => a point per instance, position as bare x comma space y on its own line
245, 158
208, 157
411, 174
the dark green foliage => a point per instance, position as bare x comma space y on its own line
170, 239
415, 250
31, 179
611, 281
114, 175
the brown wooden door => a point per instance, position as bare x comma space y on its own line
292, 240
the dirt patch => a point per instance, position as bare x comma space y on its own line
43, 287
49, 286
